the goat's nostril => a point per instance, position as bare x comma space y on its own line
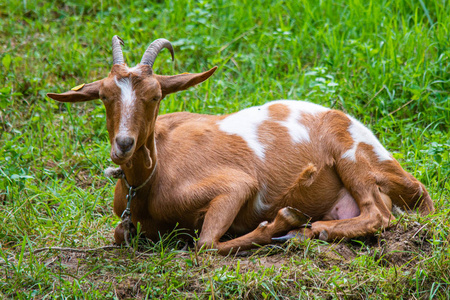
124, 143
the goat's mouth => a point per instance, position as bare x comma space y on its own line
119, 157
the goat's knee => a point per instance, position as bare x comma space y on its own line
119, 234
119, 238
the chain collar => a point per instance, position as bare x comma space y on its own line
142, 185
132, 192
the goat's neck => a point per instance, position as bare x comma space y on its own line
141, 165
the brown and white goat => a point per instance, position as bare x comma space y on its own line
259, 173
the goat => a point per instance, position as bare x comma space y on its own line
264, 174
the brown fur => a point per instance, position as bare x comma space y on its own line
211, 181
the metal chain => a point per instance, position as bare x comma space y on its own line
126, 215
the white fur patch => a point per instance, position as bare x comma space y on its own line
298, 132
259, 204
136, 70
362, 134
245, 123
113, 172
128, 97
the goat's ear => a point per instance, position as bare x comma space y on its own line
86, 92
175, 83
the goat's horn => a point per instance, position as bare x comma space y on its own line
117, 43
153, 50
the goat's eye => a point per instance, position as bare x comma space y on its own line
156, 98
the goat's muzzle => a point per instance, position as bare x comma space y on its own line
122, 149
124, 143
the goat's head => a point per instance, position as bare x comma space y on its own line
132, 97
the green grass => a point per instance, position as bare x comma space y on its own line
384, 62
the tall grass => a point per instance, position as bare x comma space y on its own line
385, 62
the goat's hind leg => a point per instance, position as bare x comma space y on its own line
374, 216
405, 190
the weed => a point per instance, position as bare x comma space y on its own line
384, 62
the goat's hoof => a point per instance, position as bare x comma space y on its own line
297, 235
284, 238
323, 235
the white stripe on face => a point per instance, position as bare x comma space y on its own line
128, 97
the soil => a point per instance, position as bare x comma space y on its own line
395, 246
401, 245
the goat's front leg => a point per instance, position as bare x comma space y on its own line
285, 220
119, 233
225, 206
